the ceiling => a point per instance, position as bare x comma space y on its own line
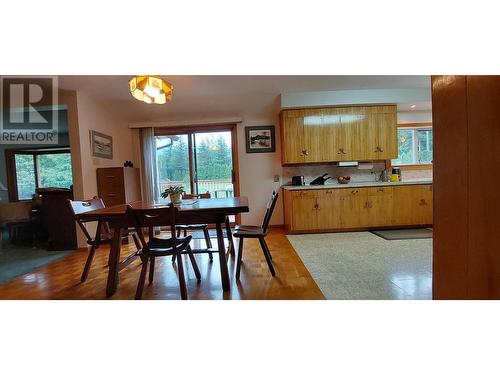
197, 97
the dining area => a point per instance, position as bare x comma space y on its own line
155, 230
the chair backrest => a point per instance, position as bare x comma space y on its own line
269, 210
80, 207
197, 196
153, 217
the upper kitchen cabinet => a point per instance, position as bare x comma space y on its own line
338, 134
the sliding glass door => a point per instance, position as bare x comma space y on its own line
213, 163
201, 160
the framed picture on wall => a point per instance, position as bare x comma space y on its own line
101, 145
260, 139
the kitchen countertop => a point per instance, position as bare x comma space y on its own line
336, 185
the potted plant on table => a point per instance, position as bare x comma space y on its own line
175, 192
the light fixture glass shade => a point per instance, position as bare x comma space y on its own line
151, 89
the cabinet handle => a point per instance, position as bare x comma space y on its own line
378, 149
341, 151
110, 176
329, 192
111, 195
423, 202
354, 191
305, 152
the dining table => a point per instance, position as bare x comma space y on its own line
206, 211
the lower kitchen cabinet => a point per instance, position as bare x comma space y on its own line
320, 210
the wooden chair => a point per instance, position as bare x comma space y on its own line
156, 247
103, 233
249, 231
203, 227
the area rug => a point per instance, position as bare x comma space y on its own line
403, 234
17, 260
361, 265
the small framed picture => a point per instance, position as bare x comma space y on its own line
101, 144
260, 139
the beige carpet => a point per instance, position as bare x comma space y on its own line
361, 265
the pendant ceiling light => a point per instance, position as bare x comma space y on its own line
151, 89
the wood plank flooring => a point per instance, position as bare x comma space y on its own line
61, 279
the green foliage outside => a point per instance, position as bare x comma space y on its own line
213, 160
54, 170
405, 147
423, 137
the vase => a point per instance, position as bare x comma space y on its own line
175, 198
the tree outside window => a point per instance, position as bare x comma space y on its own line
414, 146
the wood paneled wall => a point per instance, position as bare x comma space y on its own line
466, 120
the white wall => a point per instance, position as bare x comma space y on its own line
257, 173
92, 115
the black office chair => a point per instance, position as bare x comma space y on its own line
157, 247
249, 231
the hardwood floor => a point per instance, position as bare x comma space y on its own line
61, 279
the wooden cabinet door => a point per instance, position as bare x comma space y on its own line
376, 207
292, 135
329, 209
351, 201
412, 205
381, 136
305, 211
354, 128
422, 198
387, 137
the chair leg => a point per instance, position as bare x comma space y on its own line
182, 280
173, 258
142, 278
238, 261
88, 263
178, 233
267, 249
151, 270
185, 232
136, 241
266, 255
193, 263
208, 242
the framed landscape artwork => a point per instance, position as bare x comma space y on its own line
101, 144
260, 139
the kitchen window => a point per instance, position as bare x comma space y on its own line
414, 146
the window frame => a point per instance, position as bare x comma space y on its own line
10, 161
414, 128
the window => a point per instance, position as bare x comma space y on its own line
414, 146
32, 169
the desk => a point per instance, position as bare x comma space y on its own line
210, 211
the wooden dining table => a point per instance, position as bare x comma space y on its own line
206, 211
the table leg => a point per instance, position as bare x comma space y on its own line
114, 259
229, 236
224, 273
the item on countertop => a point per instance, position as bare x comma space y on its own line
298, 181
320, 180
394, 177
384, 176
344, 179
398, 172
128, 163
175, 192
